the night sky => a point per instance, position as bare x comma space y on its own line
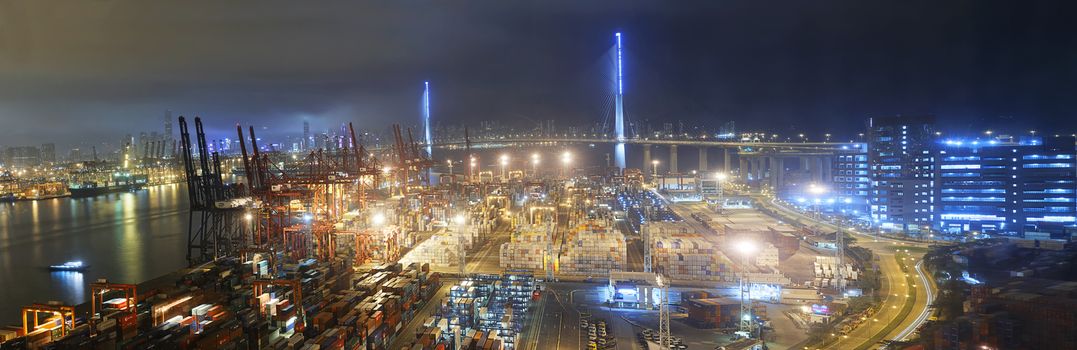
95, 70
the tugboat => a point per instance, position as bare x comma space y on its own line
76, 266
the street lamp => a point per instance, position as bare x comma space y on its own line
816, 190
720, 176
534, 164
471, 170
450, 165
504, 164
746, 249
654, 170
566, 159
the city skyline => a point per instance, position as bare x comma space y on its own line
834, 66
489, 174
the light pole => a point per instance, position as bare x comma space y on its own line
248, 218
654, 171
720, 177
450, 165
816, 190
471, 170
460, 221
566, 159
504, 164
388, 179
746, 249
534, 164
839, 237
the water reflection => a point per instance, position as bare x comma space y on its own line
619, 152
125, 237
70, 284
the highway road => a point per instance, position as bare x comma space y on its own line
897, 288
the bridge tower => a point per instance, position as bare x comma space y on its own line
426, 127
619, 109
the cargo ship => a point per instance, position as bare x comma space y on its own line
120, 182
44, 190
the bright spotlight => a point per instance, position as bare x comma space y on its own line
746, 247
459, 219
378, 219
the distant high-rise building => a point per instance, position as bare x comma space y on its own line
168, 125
23, 157
75, 155
307, 141
48, 153
900, 160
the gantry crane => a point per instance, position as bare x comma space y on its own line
212, 201
325, 182
64, 312
99, 288
410, 161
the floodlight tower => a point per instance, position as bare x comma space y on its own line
647, 241
619, 123
460, 220
664, 335
746, 248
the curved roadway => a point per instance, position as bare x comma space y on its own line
895, 286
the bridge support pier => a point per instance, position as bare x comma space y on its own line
673, 160
647, 161
726, 160
702, 160
814, 166
757, 169
776, 173
742, 168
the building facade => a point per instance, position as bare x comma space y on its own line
900, 166
1006, 185
851, 180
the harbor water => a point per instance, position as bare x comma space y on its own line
127, 237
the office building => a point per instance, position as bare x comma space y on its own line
900, 161
1006, 186
48, 153
850, 180
22, 157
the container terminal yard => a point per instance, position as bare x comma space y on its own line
353, 248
